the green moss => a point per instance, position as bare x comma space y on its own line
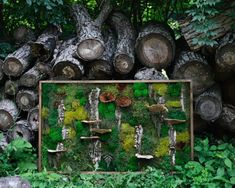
174, 89
53, 117
140, 113
176, 114
107, 110
140, 90
81, 130
132, 164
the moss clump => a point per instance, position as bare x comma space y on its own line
163, 147
81, 130
176, 114
127, 137
174, 104
140, 112
132, 164
174, 89
160, 89
107, 110
79, 114
55, 134
140, 90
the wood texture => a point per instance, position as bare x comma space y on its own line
155, 46
11, 87
124, 55
1, 71
26, 99
8, 114
191, 65
209, 104
149, 74
17, 62
14, 182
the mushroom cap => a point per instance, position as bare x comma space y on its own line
107, 97
123, 101
174, 121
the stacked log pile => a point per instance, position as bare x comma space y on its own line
115, 51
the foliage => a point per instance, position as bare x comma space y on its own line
202, 13
18, 157
81, 130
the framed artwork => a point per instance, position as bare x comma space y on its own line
114, 126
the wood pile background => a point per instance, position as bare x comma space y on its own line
110, 48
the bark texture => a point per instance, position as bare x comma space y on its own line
149, 74
8, 114
33, 118
193, 66
209, 104
124, 60
14, 182
26, 99
1, 71
17, 62
155, 46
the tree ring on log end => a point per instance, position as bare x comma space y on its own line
90, 49
6, 120
12, 67
100, 70
28, 80
25, 100
225, 57
67, 70
209, 108
123, 64
155, 51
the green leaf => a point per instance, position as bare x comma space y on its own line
213, 148
198, 148
220, 171
29, 2
232, 180
228, 163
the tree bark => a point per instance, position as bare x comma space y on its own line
33, 118
90, 45
14, 182
33, 76
225, 57
44, 46
155, 46
11, 87
3, 143
149, 74
209, 104
1, 71
21, 130
227, 118
66, 65
17, 62
26, 99
23, 35
8, 114
102, 68
193, 66
124, 60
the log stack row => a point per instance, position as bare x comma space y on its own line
108, 47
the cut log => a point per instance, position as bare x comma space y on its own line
102, 68
17, 62
33, 75
23, 35
66, 65
8, 114
33, 118
1, 71
225, 57
14, 182
11, 87
223, 24
193, 66
124, 60
209, 104
227, 118
228, 91
3, 142
21, 130
149, 74
90, 45
26, 99
155, 46
45, 44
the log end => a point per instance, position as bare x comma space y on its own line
100, 70
90, 49
12, 67
25, 100
123, 64
6, 120
28, 80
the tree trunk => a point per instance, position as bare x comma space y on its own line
102, 68
228, 91
225, 57
227, 118
124, 60
21, 130
14, 182
209, 104
1, 71
26, 99
17, 62
8, 114
23, 35
149, 74
155, 46
90, 45
193, 66
33, 118
11, 87
66, 65
44, 46
33, 76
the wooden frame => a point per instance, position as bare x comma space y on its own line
112, 82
